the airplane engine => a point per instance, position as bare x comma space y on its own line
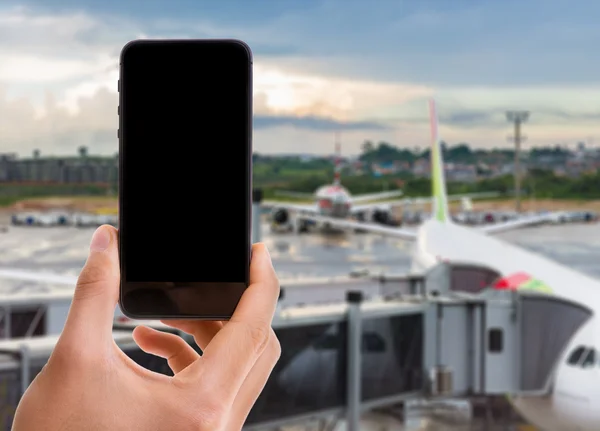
381, 217
281, 217
384, 217
378, 215
281, 220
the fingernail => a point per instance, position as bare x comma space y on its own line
100, 239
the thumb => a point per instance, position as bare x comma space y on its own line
96, 294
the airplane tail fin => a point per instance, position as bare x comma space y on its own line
440, 198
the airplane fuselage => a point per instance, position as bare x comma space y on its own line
333, 201
574, 402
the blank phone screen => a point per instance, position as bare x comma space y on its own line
185, 146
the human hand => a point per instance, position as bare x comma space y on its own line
89, 383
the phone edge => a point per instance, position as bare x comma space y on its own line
249, 190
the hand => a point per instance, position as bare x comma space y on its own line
89, 383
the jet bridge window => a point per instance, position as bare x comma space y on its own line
372, 342
495, 340
472, 279
327, 342
27, 322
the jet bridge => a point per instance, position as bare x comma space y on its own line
432, 336
491, 341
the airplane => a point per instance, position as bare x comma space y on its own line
332, 200
51, 218
335, 200
63, 218
572, 401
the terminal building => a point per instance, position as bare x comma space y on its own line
78, 169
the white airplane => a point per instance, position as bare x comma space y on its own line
63, 218
573, 400
50, 218
335, 201
332, 200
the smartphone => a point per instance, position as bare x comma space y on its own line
185, 177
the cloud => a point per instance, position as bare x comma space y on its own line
47, 48
571, 108
507, 43
496, 118
288, 93
323, 67
315, 123
91, 120
76, 105
58, 131
286, 140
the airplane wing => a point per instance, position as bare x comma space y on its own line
478, 195
17, 274
300, 195
375, 196
515, 224
364, 207
422, 200
304, 208
405, 234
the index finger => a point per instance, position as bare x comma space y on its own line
234, 349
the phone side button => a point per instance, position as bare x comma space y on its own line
118, 134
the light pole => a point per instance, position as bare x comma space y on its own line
517, 118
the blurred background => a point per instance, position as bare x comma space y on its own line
340, 98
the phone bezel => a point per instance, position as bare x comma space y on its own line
233, 291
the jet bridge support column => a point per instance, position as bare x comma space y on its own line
257, 196
25, 368
7, 322
353, 407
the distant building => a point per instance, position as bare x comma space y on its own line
421, 168
80, 169
390, 168
509, 169
460, 172
357, 167
306, 158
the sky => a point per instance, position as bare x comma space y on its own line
364, 69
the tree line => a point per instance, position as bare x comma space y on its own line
384, 152
459, 153
538, 183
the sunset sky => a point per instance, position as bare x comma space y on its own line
364, 68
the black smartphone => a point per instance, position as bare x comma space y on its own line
185, 177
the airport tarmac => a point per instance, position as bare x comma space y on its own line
63, 250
